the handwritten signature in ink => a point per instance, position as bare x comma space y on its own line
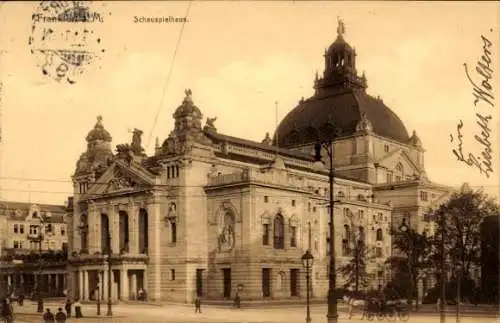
483, 93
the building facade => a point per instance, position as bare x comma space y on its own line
33, 239
214, 215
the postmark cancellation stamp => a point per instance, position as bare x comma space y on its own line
65, 39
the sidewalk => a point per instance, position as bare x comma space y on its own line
29, 309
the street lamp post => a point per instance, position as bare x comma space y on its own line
406, 230
99, 290
110, 310
328, 145
40, 268
307, 262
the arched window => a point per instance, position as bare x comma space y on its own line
399, 174
279, 232
380, 235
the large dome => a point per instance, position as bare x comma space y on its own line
344, 111
341, 100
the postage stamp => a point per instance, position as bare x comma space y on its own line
64, 39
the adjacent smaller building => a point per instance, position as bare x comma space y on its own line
33, 248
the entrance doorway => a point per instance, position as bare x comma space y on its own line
266, 282
294, 282
199, 282
226, 274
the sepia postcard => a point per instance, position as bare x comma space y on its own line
249, 161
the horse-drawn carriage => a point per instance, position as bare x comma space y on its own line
382, 309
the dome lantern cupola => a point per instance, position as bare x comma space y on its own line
98, 133
187, 116
415, 140
99, 153
340, 66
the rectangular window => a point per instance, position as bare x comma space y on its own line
266, 199
21, 228
423, 196
34, 229
172, 274
293, 238
265, 234
173, 232
48, 228
63, 230
293, 202
378, 252
398, 178
15, 228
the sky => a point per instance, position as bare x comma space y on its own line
238, 58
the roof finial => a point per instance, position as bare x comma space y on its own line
340, 27
99, 119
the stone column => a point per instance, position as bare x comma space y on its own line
105, 284
133, 283
100, 274
145, 285
124, 284
86, 293
154, 227
133, 228
49, 285
80, 284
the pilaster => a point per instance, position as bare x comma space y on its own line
80, 284
114, 228
93, 228
154, 272
133, 213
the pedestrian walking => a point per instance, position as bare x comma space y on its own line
197, 304
67, 307
60, 316
438, 304
48, 317
237, 301
78, 309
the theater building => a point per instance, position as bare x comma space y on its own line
213, 215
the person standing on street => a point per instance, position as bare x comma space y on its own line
48, 317
197, 304
60, 316
67, 307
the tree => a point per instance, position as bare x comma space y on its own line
353, 245
463, 214
411, 260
